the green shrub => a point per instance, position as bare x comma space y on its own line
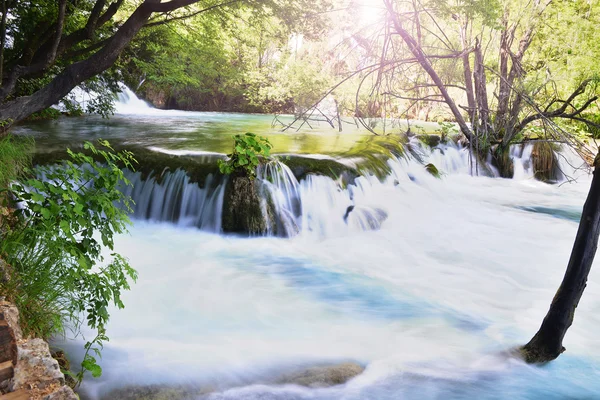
46, 114
60, 276
248, 149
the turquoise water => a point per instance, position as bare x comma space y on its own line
462, 270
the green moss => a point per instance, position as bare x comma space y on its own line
151, 163
430, 140
373, 153
503, 162
432, 169
302, 166
545, 162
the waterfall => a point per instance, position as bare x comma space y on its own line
317, 205
175, 199
128, 103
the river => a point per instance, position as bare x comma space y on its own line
462, 269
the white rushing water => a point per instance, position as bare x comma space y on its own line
424, 281
461, 269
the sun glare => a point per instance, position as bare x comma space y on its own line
371, 11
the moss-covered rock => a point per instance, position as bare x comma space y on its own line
323, 376
149, 162
316, 377
545, 162
302, 166
243, 211
502, 160
430, 140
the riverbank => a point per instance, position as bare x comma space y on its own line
36, 374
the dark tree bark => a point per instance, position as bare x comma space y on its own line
547, 345
468, 75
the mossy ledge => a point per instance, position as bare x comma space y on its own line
199, 167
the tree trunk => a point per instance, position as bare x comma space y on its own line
546, 345
421, 57
74, 74
467, 73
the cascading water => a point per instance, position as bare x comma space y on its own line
317, 205
176, 199
129, 103
461, 269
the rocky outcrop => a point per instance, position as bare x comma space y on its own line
243, 211
35, 371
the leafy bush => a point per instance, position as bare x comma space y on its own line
248, 149
66, 223
46, 114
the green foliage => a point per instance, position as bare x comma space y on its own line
248, 149
448, 129
15, 157
46, 114
235, 58
64, 270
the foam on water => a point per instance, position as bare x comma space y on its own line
458, 272
428, 297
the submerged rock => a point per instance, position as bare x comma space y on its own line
323, 376
313, 377
365, 218
156, 392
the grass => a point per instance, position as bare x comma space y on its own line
15, 157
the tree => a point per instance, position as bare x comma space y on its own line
546, 345
476, 58
57, 45
232, 60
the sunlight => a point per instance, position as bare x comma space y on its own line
371, 11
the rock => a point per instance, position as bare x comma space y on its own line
156, 392
302, 166
545, 162
11, 315
430, 140
64, 393
242, 208
502, 160
36, 369
323, 376
432, 169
